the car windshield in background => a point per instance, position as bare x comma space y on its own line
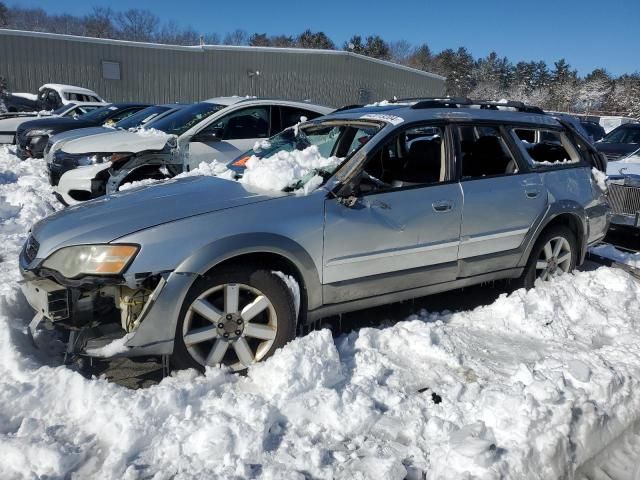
62, 109
179, 122
142, 117
339, 140
624, 134
99, 114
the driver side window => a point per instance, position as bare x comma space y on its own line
244, 124
412, 157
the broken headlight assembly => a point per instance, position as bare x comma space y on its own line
97, 158
73, 262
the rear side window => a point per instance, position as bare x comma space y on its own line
545, 147
484, 152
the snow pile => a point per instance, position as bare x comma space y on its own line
612, 253
150, 132
213, 169
534, 384
600, 178
273, 173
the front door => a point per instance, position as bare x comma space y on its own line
237, 132
402, 231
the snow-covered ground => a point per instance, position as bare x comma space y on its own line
531, 386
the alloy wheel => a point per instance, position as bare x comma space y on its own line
554, 259
233, 324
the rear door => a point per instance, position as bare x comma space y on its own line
402, 230
503, 200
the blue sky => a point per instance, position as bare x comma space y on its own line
587, 33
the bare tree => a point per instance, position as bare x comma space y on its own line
400, 51
4, 15
259, 40
99, 23
136, 24
237, 37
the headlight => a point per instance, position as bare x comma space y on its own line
39, 133
102, 157
72, 262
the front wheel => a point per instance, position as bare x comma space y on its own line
235, 317
554, 253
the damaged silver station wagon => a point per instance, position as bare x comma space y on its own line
428, 195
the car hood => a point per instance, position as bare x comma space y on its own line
629, 165
57, 124
616, 148
116, 141
109, 218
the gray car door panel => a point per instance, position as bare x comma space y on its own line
499, 213
394, 231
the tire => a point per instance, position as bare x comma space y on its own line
225, 333
551, 236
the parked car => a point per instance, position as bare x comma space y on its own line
73, 188
32, 136
623, 185
9, 122
219, 128
594, 129
412, 199
620, 141
51, 96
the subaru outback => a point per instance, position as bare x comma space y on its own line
420, 196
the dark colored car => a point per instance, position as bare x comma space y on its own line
620, 141
594, 129
32, 136
16, 103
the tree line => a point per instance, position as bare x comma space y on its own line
552, 87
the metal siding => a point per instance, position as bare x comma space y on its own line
165, 74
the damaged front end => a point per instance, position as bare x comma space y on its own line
97, 313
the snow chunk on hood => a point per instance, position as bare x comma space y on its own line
286, 169
275, 173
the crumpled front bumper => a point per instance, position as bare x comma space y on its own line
155, 333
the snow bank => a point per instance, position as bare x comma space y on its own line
532, 385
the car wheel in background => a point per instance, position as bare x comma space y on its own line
235, 317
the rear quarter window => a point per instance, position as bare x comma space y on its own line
545, 147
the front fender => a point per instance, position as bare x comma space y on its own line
214, 253
157, 329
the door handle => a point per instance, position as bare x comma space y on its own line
532, 193
442, 206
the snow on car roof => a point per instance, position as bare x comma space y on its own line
68, 88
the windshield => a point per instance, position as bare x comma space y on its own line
623, 134
99, 114
299, 155
142, 117
179, 122
62, 109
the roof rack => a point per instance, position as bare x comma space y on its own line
458, 102
347, 107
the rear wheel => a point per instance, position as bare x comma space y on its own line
554, 253
235, 317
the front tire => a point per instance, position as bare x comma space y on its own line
554, 253
234, 317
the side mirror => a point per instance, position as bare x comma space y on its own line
208, 135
